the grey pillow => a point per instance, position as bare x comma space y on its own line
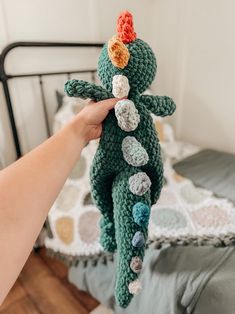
212, 170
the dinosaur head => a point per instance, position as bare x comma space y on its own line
127, 60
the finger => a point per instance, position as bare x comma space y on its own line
91, 102
108, 104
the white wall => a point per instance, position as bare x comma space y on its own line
54, 20
195, 43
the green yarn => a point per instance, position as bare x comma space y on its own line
140, 71
159, 105
84, 90
108, 235
117, 160
126, 228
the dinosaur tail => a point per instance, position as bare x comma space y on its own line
132, 201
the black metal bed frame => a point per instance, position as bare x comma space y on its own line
5, 77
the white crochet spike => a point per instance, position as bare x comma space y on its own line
121, 86
127, 115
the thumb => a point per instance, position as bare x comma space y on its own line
108, 104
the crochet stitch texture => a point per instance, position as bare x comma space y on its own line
127, 172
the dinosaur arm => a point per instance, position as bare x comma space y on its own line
83, 89
159, 105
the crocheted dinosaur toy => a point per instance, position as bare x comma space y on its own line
127, 172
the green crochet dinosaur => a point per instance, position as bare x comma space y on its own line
127, 172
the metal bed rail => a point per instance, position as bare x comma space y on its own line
5, 77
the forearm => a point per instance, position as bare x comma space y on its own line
28, 189
83, 89
159, 105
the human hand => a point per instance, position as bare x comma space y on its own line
88, 123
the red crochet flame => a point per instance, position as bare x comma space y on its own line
125, 27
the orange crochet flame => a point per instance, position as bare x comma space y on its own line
118, 52
125, 27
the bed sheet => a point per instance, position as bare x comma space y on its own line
176, 280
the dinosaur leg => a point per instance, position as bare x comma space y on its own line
131, 200
101, 186
154, 170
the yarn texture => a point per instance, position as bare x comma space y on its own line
141, 214
135, 287
136, 264
121, 86
139, 183
133, 152
118, 52
127, 115
138, 239
127, 172
125, 28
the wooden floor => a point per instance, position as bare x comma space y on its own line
42, 287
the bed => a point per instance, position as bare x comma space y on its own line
178, 276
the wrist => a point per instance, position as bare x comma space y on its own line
77, 128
